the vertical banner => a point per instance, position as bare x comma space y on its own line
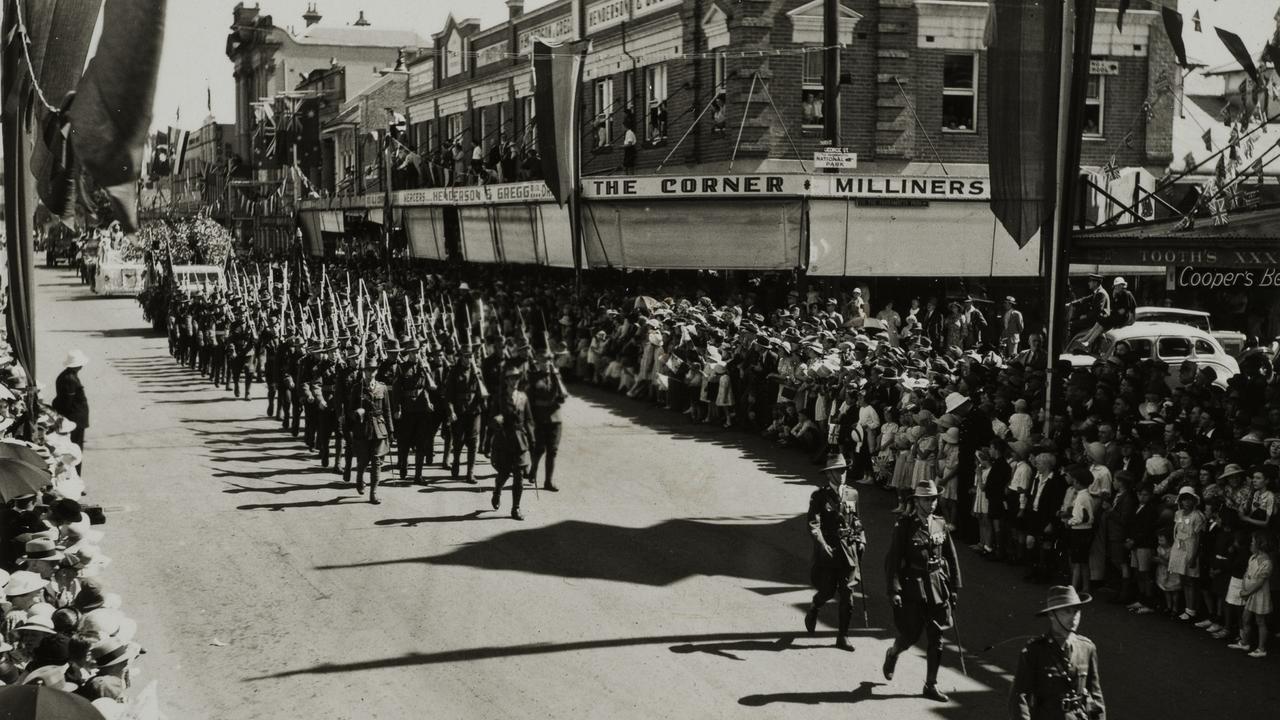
1023, 67
557, 73
112, 112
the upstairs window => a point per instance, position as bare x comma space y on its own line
811, 95
1094, 99
960, 93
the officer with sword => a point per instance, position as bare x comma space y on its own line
838, 542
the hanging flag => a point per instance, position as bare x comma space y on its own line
1173, 27
1238, 51
1189, 162
557, 72
1272, 54
112, 111
1109, 169
1207, 137
182, 138
1124, 7
989, 28
1023, 62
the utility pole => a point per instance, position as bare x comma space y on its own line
831, 71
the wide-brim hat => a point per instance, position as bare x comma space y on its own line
955, 400
38, 623
75, 358
925, 489
1062, 597
1230, 471
112, 651
1188, 491
51, 676
1096, 277
835, 462
41, 548
951, 436
1118, 281
23, 582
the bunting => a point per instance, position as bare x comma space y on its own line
1238, 51
1173, 28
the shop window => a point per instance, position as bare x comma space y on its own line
629, 100
960, 93
811, 98
655, 92
603, 123
719, 76
1094, 97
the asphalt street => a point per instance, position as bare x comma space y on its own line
667, 579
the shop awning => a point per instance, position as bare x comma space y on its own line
1249, 239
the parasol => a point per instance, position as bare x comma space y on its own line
22, 469
36, 702
644, 302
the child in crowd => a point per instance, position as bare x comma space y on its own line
1184, 556
1256, 592
1079, 520
1216, 546
887, 452
1262, 503
1236, 566
1140, 539
1169, 583
979, 501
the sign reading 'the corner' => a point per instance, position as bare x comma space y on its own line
676, 186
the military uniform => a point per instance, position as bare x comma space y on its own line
512, 437
369, 414
466, 398
1057, 682
834, 525
329, 415
546, 395
240, 358
411, 405
924, 572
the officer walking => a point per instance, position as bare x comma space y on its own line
838, 542
924, 578
371, 424
1058, 677
467, 396
512, 433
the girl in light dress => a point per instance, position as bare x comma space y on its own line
904, 445
883, 462
1256, 592
1169, 583
980, 504
948, 474
924, 451
1184, 554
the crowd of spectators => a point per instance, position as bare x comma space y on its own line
59, 625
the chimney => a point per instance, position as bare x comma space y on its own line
360, 21
515, 8
311, 16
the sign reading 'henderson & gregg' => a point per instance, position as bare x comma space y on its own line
848, 186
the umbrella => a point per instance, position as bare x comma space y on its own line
22, 469
36, 702
644, 302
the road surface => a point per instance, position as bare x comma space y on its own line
667, 579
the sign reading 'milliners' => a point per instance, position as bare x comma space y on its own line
844, 186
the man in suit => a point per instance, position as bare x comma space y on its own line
70, 399
513, 432
924, 581
1011, 326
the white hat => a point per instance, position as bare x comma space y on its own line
23, 582
38, 623
1118, 281
76, 358
50, 676
108, 622
955, 400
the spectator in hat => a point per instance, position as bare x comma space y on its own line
71, 400
1011, 326
111, 657
1123, 304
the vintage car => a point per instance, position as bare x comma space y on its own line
1169, 342
1231, 341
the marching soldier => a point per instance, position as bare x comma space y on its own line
310, 366
512, 436
295, 381
546, 395
467, 395
412, 409
838, 542
329, 413
438, 418
240, 347
1058, 677
218, 353
924, 579
270, 349
371, 423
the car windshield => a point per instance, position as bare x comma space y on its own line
1194, 320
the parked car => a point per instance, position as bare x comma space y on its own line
1231, 341
1169, 342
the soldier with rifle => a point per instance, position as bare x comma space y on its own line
371, 425
412, 409
512, 425
546, 395
467, 396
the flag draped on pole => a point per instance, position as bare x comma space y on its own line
557, 73
1173, 28
1238, 51
1023, 64
112, 111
